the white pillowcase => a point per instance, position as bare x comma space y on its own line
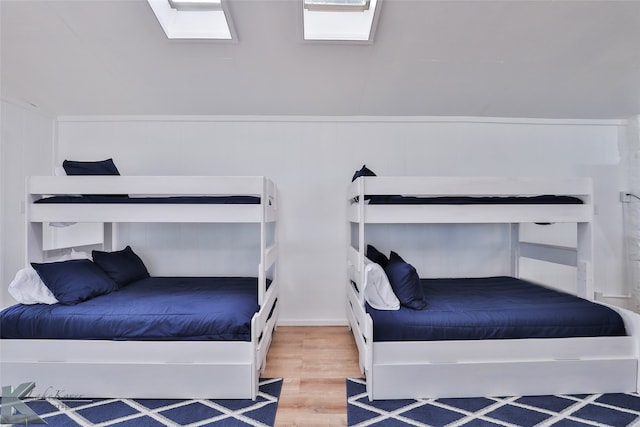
28, 288
377, 289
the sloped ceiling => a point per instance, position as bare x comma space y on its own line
550, 59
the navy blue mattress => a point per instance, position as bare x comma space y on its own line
468, 200
201, 200
494, 308
156, 308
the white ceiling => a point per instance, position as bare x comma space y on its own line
552, 59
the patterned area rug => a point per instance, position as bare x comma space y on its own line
613, 410
162, 412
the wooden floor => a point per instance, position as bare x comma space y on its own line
314, 362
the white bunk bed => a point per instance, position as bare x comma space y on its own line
497, 367
149, 369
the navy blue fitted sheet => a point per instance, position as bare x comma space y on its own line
199, 200
494, 308
156, 308
468, 200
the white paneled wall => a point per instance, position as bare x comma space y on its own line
26, 149
312, 159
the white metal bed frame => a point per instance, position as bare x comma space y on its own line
399, 370
149, 369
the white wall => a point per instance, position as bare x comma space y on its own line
26, 145
312, 160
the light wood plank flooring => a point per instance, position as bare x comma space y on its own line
314, 362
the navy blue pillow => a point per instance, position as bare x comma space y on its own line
75, 280
405, 282
123, 267
376, 256
364, 171
102, 167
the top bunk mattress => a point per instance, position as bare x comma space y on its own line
198, 200
468, 190
469, 200
155, 308
494, 308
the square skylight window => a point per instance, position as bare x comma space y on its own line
339, 20
337, 5
196, 4
193, 19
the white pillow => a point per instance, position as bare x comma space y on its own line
28, 288
377, 289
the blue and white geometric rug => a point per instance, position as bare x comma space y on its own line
162, 412
612, 410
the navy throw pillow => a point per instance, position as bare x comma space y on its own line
75, 280
376, 256
123, 267
364, 171
405, 282
102, 167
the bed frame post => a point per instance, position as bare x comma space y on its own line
108, 243
585, 255
361, 219
33, 244
34, 240
262, 273
515, 249
255, 362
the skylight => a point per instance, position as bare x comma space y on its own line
337, 5
192, 19
196, 4
345, 20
